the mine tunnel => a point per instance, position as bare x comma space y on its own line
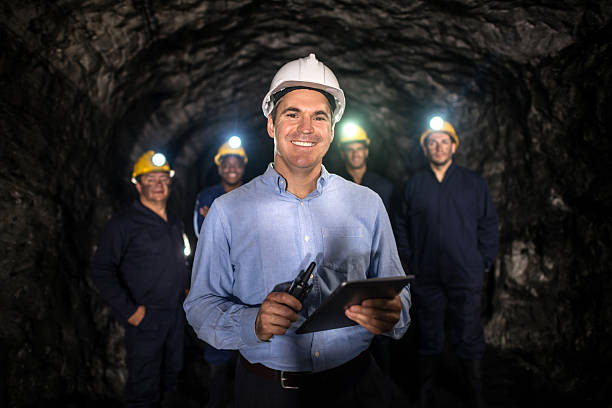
87, 87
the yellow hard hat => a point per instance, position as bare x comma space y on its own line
150, 162
437, 124
226, 150
353, 133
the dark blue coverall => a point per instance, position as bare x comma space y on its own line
381, 345
379, 184
140, 261
205, 199
447, 235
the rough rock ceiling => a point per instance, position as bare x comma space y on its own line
195, 70
88, 85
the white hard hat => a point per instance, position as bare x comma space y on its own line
310, 73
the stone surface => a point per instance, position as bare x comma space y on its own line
87, 86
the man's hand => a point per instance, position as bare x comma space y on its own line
204, 211
137, 317
276, 314
376, 315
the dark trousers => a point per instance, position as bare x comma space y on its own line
433, 303
361, 386
154, 354
215, 356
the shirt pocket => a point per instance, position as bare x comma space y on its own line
346, 255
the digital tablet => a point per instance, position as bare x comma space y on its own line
330, 315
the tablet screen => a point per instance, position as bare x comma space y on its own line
330, 315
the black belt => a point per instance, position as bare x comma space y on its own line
292, 380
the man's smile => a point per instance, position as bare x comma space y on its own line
303, 144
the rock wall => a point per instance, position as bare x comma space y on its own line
86, 87
57, 338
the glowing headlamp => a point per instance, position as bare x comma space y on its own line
350, 130
234, 142
436, 123
158, 159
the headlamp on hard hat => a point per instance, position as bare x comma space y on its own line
233, 147
234, 142
158, 159
149, 162
351, 132
438, 124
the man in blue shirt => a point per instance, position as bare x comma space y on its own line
139, 269
230, 161
266, 231
448, 237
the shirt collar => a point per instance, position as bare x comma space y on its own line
447, 174
273, 178
150, 213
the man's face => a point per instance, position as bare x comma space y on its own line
355, 155
231, 170
439, 148
154, 187
302, 130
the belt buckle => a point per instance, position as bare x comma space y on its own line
283, 380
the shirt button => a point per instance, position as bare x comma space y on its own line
316, 354
302, 203
306, 238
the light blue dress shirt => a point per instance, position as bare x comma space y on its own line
260, 235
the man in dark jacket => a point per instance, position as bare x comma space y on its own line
448, 237
354, 150
230, 159
139, 269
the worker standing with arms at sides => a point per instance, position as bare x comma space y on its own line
230, 160
354, 150
448, 237
268, 230
139, 269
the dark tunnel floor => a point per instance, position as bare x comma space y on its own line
506, 383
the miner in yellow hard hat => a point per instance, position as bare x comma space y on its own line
230, 160
354, 149
151, 162
354, 145
139, 269
439, 125
447, 235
